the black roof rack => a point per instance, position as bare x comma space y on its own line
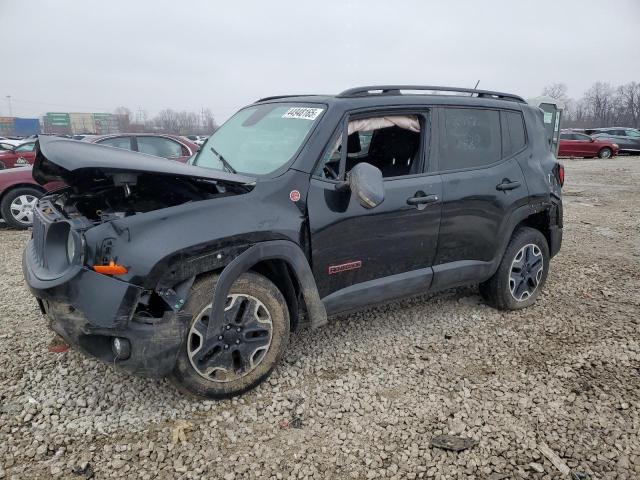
397, 90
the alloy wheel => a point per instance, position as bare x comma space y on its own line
526, 272
239, 345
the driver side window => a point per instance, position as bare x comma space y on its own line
390, 143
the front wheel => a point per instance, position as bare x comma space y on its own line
243, 348
522, 272
605, 152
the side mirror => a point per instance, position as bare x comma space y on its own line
592, 140
366, 183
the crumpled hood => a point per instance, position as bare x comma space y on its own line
80, 163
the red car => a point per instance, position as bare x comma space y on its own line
19, 192
18, 156
167, 146
573, 144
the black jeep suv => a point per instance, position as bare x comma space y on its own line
297, 208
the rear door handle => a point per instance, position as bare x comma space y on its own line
507, 185
422, 201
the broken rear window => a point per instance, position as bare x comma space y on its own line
260, 139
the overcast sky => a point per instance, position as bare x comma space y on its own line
66, 55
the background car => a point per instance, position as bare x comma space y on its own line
628, 139
173, 147
19, 193
197, 139
11, 141
573, 144
20, 155
6, 146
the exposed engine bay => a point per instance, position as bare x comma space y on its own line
126, 194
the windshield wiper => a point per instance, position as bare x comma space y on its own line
226, 164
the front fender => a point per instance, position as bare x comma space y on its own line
271, 250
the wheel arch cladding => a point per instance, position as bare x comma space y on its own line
257, 256
282, 276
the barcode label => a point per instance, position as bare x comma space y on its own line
304, 113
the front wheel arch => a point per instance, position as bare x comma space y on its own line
283, 252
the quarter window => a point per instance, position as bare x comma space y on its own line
471, 138
513, 136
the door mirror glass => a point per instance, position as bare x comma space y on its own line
366, 183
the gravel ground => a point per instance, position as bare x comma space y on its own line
363, 397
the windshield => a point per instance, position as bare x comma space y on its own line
259, 139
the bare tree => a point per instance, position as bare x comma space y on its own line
187, 122
167, 121
557, 91
123, 115
600, 101
209, 124
629, 102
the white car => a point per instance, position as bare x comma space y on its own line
10, 141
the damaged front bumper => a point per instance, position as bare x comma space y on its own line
89, 310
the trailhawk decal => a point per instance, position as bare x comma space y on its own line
343, 267
304, 113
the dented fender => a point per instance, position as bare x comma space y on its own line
271, 250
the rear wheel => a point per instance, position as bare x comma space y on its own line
245, 346
605, 152
522, 272
17, 206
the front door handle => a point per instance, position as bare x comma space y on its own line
507, 185
422, 201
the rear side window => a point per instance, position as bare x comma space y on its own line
118, 142
471, 138
513, 136
159, 146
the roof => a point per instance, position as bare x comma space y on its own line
385, 95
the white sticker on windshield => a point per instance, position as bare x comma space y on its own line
304, 113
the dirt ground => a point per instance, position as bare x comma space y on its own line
364, 396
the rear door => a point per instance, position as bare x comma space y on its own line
362, 256
482, 185
585, 146
567, 145
25, 154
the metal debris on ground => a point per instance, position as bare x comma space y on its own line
296, 422
453, 443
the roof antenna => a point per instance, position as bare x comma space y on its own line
477, 83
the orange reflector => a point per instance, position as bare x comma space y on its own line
111, 269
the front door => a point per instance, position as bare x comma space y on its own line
362, 256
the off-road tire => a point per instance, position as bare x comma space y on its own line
186, 377
496, 291
605, 152
7, 200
